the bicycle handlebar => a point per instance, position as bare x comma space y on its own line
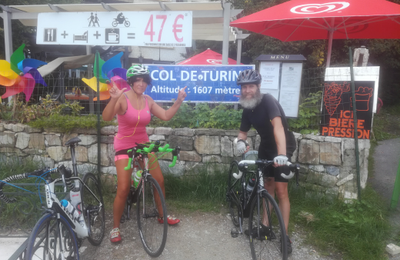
61, 168
149, 148
294, 168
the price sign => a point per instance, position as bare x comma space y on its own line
159, 29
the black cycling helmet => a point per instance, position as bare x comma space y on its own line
248, 77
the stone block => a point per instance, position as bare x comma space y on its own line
308, 152
52, 140
329, 153
149, 130
163, 131
157, 137
207, 144
209, 131
184, 131
212, 159
345, 179
190, 156
226, 147
22, 140
57, 153
92, 155
87, 139
185, 142
392, 249
108, 130
7, 139
15, 127
37, 141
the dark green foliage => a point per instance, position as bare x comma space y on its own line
309, 115
202, 116
358, 229
66, 123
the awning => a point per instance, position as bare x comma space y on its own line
72, 62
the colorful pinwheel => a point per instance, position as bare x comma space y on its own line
110, 71
21, 75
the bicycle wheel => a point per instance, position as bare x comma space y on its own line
93, 208
152, 234
234, 195
267, 228
52, 238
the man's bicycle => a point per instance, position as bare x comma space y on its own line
149, 197
58, 234
247, 198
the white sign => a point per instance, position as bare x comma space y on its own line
369, 73
270, 76
290, 88
283, 81
160, 29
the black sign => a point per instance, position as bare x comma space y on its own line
337, 112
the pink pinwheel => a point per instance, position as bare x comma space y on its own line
21, 75
110, 71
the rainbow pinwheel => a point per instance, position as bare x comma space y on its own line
21, 75
110, 71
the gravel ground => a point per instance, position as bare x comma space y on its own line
198, 236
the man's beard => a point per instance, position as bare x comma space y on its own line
253, 102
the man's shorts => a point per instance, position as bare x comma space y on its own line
275, 172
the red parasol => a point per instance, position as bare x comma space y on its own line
323, 19
207, 57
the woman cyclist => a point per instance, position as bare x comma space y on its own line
133, 109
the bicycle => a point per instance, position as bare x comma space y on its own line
152, 234
58, 234
257, 205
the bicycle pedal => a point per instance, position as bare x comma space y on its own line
234, 232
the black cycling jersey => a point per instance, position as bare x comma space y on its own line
260, 118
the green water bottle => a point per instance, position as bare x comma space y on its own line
136, 178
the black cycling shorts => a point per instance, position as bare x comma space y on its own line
275, 172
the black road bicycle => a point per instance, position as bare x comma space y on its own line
247, 198
58, 234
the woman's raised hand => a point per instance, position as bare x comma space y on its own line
115, 92
182, 94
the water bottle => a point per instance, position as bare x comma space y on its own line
136, 178
250, 185
68, 206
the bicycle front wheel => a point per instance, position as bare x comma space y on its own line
152, 234
234, 195
93, 208
267, 228
52, 238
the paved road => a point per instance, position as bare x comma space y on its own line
386, 161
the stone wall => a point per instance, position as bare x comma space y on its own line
328, 163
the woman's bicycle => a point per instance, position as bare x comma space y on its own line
149, 197
247, 198
58, 234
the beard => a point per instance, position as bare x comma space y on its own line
251, 103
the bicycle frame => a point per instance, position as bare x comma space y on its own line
54, 204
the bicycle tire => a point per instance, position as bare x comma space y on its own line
94, 215
45, 240
267, 247
152, 234
233, 195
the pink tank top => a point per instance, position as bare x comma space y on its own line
132, 127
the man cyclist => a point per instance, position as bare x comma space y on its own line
264, 113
